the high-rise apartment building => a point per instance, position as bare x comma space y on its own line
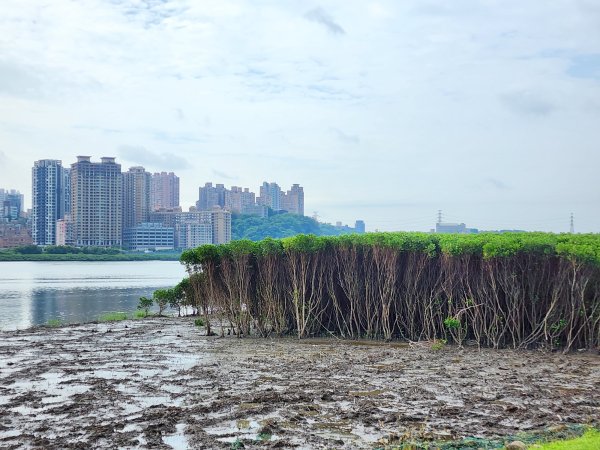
359, 226
50, 199
164, 191
270, 195
238, 200
293, 200
221, 226
136, 197
210, 196
11, 207
96, 202
4, 193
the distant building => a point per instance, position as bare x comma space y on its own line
136, 197
149, 236
96, 206
196, 228
211, 196
256, 210
164, 191
238, 200
359, 226
221, 226
14, 196
270, 196
14, 234
11, 207
293, 200
192, 235
51, 199
456, 228
64, 231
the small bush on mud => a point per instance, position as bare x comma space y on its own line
438, 344
237, 444
264, 437
199, 322
145, 304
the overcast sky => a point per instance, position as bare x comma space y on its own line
384, 111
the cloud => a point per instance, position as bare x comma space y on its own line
318, 15
527, 102
345, 138
223, 175
155, 161
19, 81
496, 183
585, 66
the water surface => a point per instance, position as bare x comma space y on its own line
32, 293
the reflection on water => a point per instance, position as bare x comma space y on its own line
31, 293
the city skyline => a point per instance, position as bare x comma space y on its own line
236, 195
387, 110
97, 204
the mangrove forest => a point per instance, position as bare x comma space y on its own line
517, 290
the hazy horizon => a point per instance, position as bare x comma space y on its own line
382, 111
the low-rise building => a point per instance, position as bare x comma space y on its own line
149, 236
460, 228
14, 234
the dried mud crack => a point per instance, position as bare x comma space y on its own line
159, 383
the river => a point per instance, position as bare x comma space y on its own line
33, 293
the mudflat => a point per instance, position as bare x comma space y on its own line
159, 383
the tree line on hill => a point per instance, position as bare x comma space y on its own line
279, 226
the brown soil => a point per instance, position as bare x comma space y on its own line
159, 383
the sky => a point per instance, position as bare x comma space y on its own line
385, 111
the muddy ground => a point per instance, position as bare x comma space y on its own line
159, 383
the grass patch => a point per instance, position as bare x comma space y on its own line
589, 441
54, 323
199, 322
113, 317
140, 315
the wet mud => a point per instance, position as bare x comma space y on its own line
159, 383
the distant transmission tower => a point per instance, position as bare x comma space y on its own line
316, 216
439, 216
572, 227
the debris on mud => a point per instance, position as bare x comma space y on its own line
159, 383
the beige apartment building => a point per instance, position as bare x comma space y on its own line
136, 197
96, 202
164, 191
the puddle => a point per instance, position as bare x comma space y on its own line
177, 440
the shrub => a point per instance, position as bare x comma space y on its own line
145, 304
